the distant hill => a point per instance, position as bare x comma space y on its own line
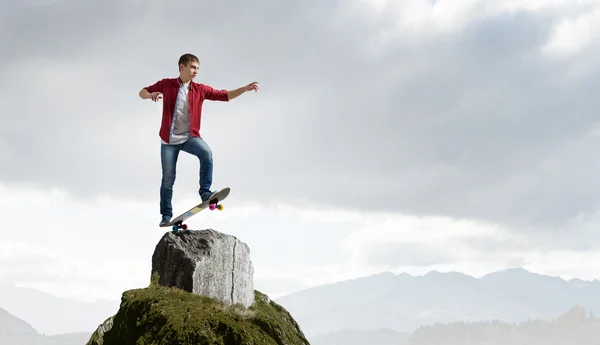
361, 337
10, 324
14, 331
403, 302
574, 327
51, 315
38, 339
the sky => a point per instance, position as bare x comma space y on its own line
401, 136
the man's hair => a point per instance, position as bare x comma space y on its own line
185, 58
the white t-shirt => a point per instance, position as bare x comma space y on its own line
180, 127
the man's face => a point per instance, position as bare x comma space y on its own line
190, 71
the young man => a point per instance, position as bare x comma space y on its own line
180, 126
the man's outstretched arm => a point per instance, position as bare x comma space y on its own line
227, 95
145, 94
231, 94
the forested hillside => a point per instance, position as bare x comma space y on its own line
575, 327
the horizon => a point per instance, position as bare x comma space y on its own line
505, 270
370, 304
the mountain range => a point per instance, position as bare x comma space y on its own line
15, 331
52, 315
385, 306
403, 303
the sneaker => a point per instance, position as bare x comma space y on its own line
164, 220
207, 196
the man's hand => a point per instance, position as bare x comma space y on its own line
251, 86
155, 96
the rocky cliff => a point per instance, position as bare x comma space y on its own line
201, 292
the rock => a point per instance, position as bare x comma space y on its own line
162, 315
201, 292
206, 263
98, 335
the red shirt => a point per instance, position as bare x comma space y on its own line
169, 87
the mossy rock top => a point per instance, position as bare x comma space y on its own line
159, 315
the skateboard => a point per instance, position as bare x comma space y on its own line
212, 204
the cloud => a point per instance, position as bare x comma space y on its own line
66, 274
456, 109
78, 249
98, 248
573, 35
69, 247
408, 241
417, 244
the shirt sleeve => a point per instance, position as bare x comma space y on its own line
156, 87
215, 95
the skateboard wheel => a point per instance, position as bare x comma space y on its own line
220, 207
212, 207
184, 226
175, 228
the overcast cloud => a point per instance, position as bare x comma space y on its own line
419, 108
482, 115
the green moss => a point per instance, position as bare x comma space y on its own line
159, 315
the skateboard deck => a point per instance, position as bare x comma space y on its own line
212, 204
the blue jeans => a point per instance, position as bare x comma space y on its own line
168, 155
